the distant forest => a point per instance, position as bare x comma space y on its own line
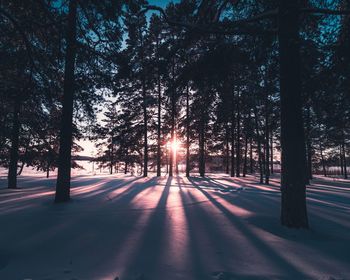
250, 82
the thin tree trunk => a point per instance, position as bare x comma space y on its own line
227, 150
24, 157
271, 152
293, 188
48, 164
66, 133
173, 107
323, 162
341, 160
111, 158
187, 132
245, 156
260, 156
232, 174
159, 156
21, 168
125, 167
238, 141
345, 165
145, 118
251, 164
12, 173
202, 149
267, 141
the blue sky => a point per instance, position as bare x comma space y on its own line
161, 3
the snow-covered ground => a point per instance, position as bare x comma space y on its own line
125, 227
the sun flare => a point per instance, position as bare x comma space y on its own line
174, 145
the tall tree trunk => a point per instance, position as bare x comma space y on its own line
145, 117
293, 188
232, 174
341, 160
267, 140
12, 173
187, 131
202, 149
323, 162
173, 107
111, 158
227, 150
238, 141
251, 163
344, 161
159, 155
245, 155
260, 156
271, 151
66, 135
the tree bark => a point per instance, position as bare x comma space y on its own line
271, 151
323, 162
202, 149
245, 155
260, 156
344, 161
227, 150
232, 174
66, 133
145, 117
159, 155
12, 173
341, 161
187, 132
251, 163
267, 140
111, 157
293, 204
238, 140
173, 107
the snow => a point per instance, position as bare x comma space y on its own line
125, 227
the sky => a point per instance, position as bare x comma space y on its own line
88, 146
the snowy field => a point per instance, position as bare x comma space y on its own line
125, 227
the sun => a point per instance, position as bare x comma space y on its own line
174, 145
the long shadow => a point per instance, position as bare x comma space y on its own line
64, 209
27, 199
153, 241
246, 202
123, 198
198, 269
289, 269
107, 234
106, 187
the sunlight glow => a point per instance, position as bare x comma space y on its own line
174, 146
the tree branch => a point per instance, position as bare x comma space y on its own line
24, 36
229, 28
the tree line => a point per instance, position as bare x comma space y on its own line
241, 80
